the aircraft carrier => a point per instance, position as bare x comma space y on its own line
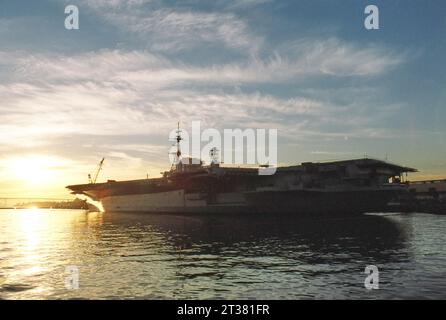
339, 187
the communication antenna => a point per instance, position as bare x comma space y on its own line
213, 154
178, 139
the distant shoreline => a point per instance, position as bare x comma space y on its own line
73, 204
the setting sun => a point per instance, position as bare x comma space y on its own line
34, 169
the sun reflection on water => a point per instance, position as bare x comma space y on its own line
30, 223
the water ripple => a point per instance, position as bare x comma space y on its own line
171, 257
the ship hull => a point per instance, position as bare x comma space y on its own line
176, 201
322, 202
297, 202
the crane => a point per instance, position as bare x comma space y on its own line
97, 172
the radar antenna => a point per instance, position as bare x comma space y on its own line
177, 153
213, 154
178, 138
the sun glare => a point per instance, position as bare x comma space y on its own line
35, 170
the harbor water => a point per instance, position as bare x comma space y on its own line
149, 256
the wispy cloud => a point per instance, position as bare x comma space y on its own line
318, 58
335, 57
172, 29
244, 4
140, 92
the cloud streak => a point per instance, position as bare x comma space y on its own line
99, 92
330, 57
167, 29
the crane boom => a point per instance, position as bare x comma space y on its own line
97, 171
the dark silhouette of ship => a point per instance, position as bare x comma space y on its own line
337, 187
